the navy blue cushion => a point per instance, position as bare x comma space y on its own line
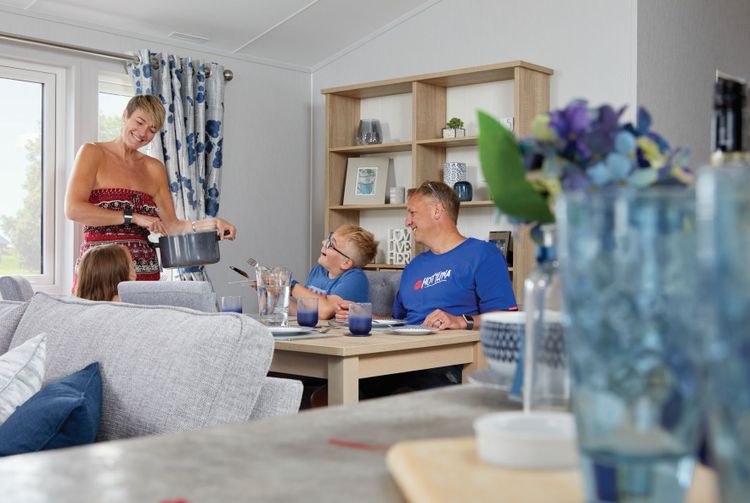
62, 414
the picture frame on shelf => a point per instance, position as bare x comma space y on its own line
502, 239
366, 180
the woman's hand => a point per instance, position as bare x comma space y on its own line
152, 224
222, 227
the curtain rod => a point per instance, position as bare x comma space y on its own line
228, 74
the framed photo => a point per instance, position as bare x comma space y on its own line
502, 239
366, 180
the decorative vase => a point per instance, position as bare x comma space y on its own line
546, 382
464, 190
369, 132
627, 265
454, 172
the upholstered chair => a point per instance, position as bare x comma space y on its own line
15, 288
198, 295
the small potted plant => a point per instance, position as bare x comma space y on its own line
454, 128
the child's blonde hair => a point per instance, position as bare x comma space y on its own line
363, 241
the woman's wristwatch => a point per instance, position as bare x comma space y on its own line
128, 215
469, 319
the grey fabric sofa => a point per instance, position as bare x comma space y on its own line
197, 295
15, 288
164, 369
383, 289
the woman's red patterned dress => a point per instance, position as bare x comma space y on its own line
133, 237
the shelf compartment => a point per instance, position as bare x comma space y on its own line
358, 207
463, 141
399, 146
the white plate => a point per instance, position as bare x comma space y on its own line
387, 323
289, 330
412, 331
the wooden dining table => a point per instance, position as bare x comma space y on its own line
344, 360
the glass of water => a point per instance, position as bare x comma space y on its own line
273, 295
231, 304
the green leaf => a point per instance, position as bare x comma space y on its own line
502, 165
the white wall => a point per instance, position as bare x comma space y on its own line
590, 44
681, 44
266, 147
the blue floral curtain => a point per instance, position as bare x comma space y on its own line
191, 140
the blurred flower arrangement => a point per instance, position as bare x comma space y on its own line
574, 148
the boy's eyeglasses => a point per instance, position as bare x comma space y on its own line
329, 245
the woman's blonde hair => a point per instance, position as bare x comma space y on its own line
101, 269
151, 105
363, 241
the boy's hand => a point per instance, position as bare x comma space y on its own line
342, 312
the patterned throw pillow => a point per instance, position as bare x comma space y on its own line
21, 374
64, 413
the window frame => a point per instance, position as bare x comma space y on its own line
52, 79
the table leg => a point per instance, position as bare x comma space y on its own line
343, 380
478, 362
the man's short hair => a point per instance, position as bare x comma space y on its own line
363, 241
442, 194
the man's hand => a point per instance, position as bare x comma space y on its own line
443, 321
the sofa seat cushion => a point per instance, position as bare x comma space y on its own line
21, 374
164, 369
64, 413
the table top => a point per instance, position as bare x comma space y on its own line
379, 342
333, 454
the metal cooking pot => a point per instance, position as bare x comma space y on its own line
189, 249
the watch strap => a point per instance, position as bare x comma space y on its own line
469, 319
128, 215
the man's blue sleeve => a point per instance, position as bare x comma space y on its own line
494, 289
352, 286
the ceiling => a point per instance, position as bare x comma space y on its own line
300, 34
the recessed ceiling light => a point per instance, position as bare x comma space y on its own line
188, 37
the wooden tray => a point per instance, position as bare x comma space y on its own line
449, 470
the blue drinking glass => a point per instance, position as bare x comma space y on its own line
628, 269
231, 304
360, 318
307, 311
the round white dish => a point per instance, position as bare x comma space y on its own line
376, 323
412, 331
534, 440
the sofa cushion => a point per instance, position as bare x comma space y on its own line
163, 368
383, 289
21, 374
63, 414
198, 295
10, 314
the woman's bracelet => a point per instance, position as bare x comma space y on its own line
193, 225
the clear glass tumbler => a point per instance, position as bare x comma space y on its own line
369, 132
628, 270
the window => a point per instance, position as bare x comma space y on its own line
115, 90
29, 98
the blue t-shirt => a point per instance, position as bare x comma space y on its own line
472, 278
352, 285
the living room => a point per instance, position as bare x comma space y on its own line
661, 55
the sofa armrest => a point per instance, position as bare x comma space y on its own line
278, 397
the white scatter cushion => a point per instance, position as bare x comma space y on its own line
21, 374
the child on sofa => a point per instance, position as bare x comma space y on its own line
338, 275
101, 269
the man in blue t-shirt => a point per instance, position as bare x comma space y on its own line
338, 275
458, 277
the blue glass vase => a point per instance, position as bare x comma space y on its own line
628, 269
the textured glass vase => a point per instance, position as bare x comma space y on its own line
546, 383
628, 269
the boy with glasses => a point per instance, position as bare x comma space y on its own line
338, 275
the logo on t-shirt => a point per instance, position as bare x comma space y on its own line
432, 280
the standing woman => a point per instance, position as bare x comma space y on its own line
120, 195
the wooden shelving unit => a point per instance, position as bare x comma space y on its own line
428, 149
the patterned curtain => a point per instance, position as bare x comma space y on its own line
190, 142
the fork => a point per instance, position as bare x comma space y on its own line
252, 262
